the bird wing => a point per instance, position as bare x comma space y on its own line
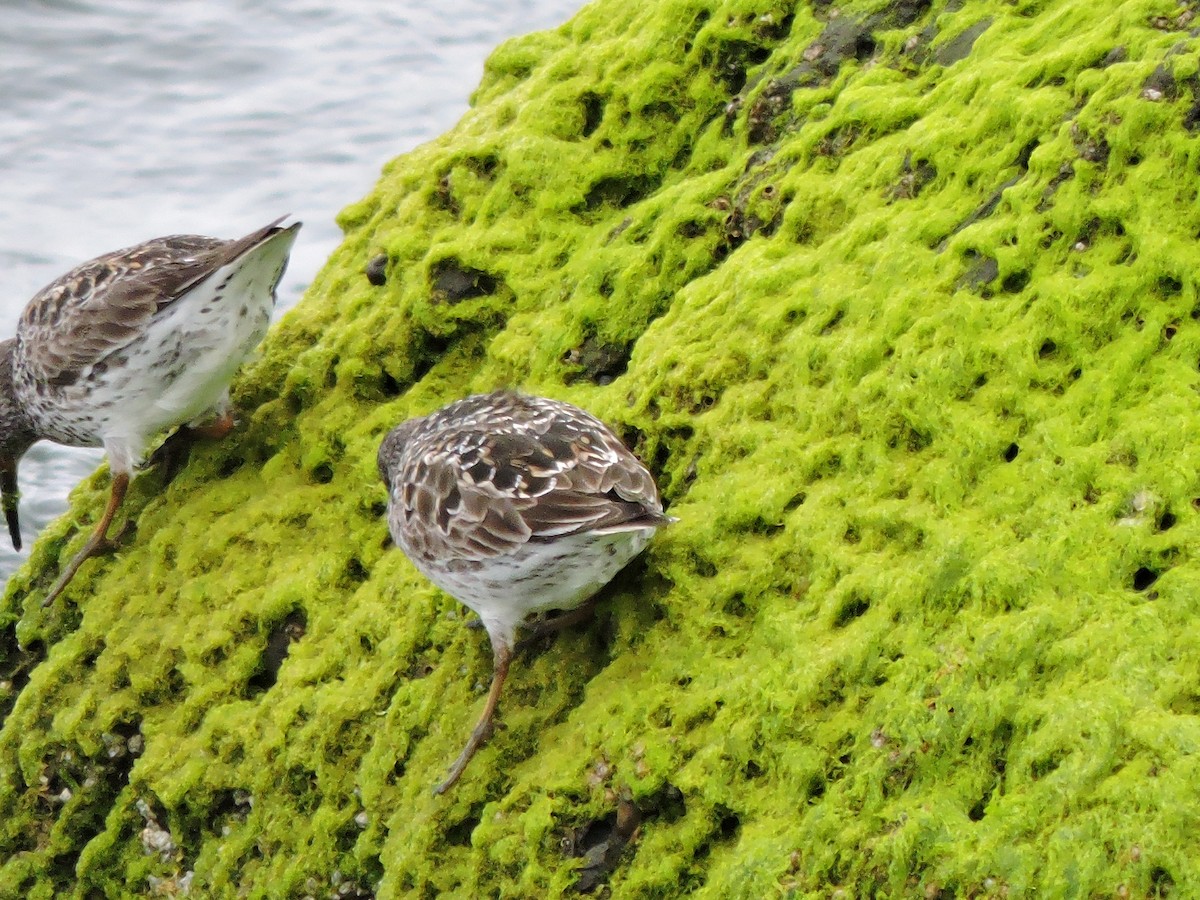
101, 306
551, 477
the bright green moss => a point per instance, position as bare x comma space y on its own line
900, 307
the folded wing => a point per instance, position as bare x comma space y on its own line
551, 476
101, 306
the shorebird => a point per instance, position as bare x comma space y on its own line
130, 344
515, 505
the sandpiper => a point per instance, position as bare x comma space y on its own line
515, 505
131, 344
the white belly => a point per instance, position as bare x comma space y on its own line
560, 574
180, 368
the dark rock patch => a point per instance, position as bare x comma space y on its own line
959, 47
291, 628
454, 282
376, 270
597, 361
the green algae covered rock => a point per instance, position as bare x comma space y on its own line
898, 300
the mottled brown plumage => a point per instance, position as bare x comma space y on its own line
130, 344
515, 505
104, 304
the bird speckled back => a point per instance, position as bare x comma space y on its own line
129, 345
491, 473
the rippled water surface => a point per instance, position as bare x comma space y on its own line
127, 119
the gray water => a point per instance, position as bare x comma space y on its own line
127, 119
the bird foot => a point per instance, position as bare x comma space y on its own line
101, 545
98, 542
110, 543
105, 545
482, 732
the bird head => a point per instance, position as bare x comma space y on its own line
391, 450
16, 436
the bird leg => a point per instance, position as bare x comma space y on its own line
501, 657
98, 542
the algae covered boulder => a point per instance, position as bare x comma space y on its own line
899, 303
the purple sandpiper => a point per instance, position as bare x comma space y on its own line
516, 505
131, 344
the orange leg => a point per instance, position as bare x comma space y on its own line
216, 429
98, 542
502, 656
